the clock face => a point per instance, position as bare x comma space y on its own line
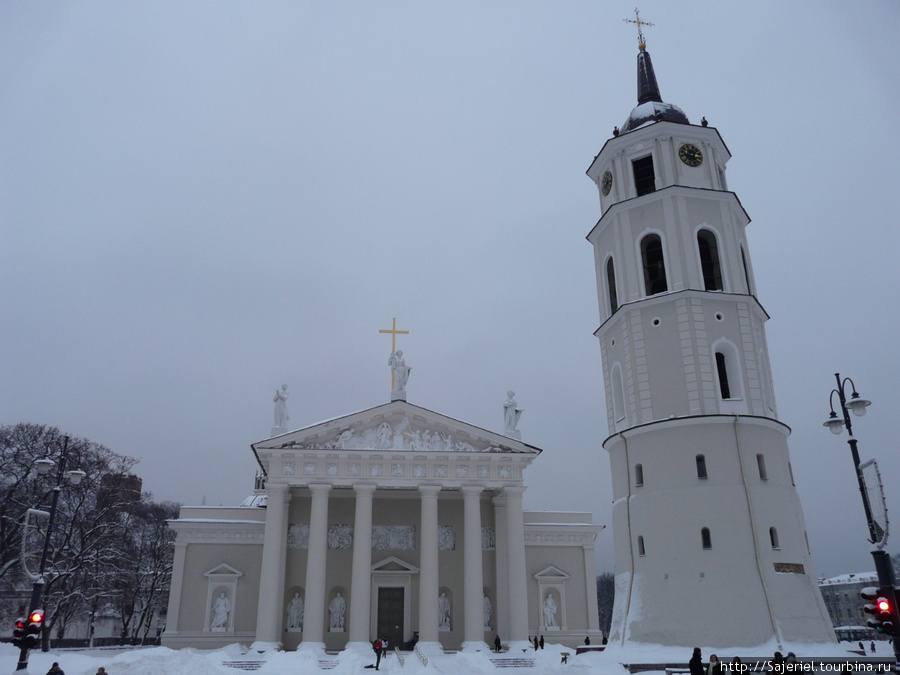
690, 154
606, 183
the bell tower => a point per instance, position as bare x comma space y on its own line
710, 539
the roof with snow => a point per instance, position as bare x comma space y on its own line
650, 107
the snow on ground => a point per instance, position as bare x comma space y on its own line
164, 661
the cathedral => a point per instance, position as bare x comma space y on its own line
396, 522
402, 523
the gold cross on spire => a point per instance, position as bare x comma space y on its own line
394, 333
642, 45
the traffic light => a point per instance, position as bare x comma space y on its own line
880, 607
19, 633
34, 628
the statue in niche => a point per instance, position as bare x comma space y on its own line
295, 612
486, 610
443, 612
336, 608
400, 369
220, 609
511, 413
549, 611
281, 411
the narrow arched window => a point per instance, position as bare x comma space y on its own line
654, 265
705, 538
709, 260
722, 371
773, 537
611, 286
761, 465
641, 550
701, 466
638, 474
746, 271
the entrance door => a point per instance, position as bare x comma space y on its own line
390, 616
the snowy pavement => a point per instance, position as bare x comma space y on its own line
164, 661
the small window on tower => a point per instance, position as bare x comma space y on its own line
773, 537
611, 286
644, 178
701, 466
709, 260
654, 265
761, 465
705, 538
641, 546
638, 474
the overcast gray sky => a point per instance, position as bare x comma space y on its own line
202, 201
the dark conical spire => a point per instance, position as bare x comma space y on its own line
648, 89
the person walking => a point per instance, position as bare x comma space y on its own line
497, 643
535, 643
541, 643
56, 670
377, 647
696, 663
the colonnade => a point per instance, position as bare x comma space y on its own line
511, 606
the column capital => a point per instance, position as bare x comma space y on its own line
277, 488
429, 489
472, 490
322, 488
364, 489
514, 490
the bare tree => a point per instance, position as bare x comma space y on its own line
109, 547
606, 595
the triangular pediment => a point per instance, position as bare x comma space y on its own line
551, 573
397, 426
223, 570
392, 564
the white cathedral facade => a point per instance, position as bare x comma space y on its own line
710, 540
396, 523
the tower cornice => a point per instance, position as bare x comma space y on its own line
659, 195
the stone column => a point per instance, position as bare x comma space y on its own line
518, 586
590, 583
176, 585
501, 549
473, 572
314, 615
361, 579
428, 565
271, 578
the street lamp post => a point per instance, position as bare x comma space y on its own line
43, 467
836, 424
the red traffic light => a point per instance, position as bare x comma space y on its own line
36, 616
884, 605
20, 623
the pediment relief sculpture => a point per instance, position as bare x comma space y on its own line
398, 435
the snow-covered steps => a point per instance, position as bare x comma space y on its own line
243, 665
328, 664
513, 662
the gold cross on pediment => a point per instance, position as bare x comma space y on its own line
394, 333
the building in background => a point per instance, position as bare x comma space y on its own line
845, 606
